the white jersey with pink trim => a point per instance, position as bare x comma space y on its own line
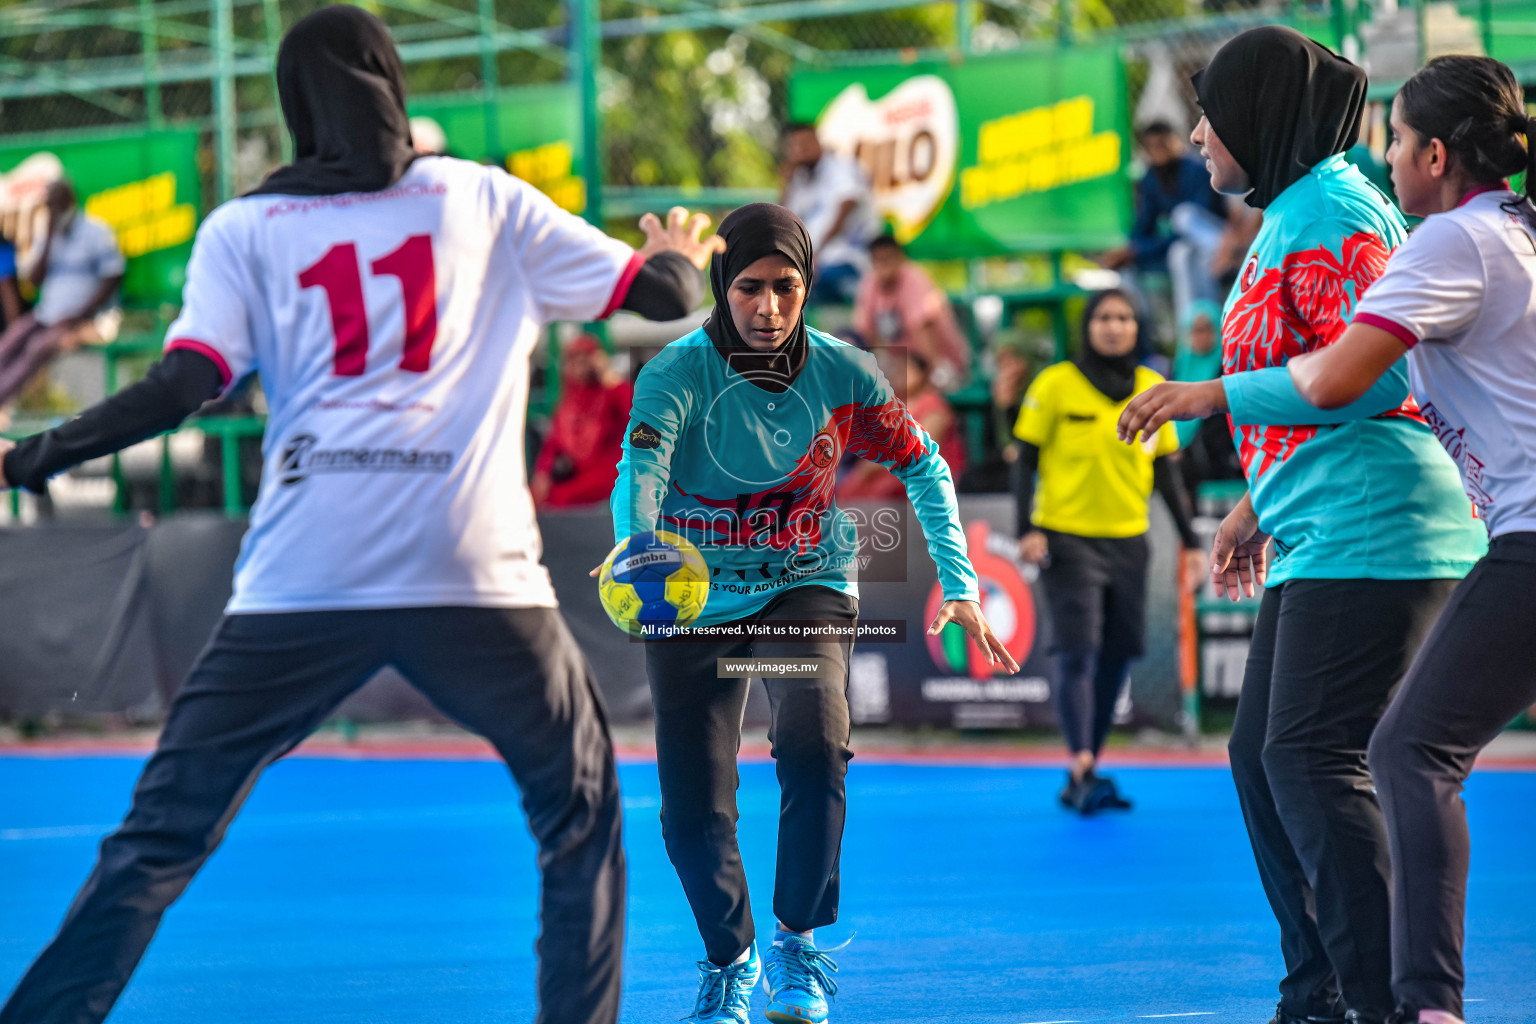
391, 331
1461, 293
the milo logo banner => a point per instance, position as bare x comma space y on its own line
1000, 154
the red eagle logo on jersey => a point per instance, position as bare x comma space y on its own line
1250, 271
1284, 311
823, 450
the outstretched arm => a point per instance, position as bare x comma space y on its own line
885, 432
1271, 395
577, 272
1267, 396
173, 389
667, 285
1434, 287
1336, 377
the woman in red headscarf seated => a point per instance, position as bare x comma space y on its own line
579, 460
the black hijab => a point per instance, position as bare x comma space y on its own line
752, 232
1114, 376
342, 90
1281, 104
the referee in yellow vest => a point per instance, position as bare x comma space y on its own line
1085, 524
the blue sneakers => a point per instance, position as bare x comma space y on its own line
725, 993
798, 979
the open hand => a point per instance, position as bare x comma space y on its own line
1170, 401
1240, 557
967, 614
681, 233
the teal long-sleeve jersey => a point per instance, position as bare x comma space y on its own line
749, 475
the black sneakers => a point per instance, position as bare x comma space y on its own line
1105, 796
1281, 1017
1092, 793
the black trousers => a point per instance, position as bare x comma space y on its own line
698, 735
1096, 588
262, 685
1325, 658
1475, 673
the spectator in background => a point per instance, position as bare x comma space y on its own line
991, 471
1009, 379
832, 198
1209, 453
1180, 220
578, 462
926, 404
77, 269
1243, 224
1197, 356
10, 295
428, 137
898, 304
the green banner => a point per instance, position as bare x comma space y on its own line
534, 131
999, 154
146, 187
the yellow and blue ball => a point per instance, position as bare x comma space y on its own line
657, 580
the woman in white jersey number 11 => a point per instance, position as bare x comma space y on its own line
1460, 297
389, 304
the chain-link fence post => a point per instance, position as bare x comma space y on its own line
149, 34
224, 126
586, 59
490, 80
272, 28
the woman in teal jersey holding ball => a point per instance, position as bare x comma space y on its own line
734, 441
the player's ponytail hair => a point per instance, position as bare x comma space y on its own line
1475, 106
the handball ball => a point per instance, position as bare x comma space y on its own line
653, 579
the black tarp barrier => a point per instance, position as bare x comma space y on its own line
107, 619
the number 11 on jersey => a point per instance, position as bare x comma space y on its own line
338, 273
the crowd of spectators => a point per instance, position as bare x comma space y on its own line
75, 268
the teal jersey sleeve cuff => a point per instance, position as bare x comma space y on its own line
932, 493
1268, 397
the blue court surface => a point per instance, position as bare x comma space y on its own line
403, 891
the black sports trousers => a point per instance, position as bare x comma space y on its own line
1096, 589
1475, 673
698, 735
261, 686
1325, 659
